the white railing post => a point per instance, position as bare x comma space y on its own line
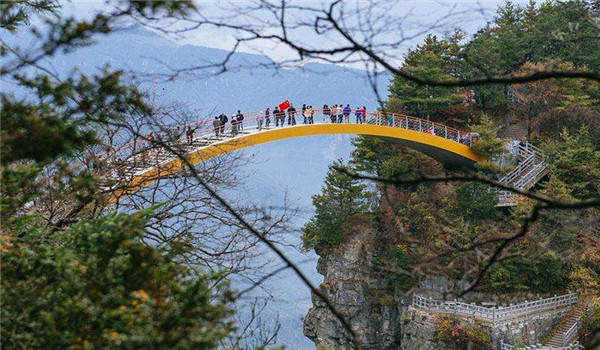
420, 126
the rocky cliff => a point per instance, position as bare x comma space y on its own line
355, 285
355, 282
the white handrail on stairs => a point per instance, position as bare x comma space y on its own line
505, 346
571, 333
531, 168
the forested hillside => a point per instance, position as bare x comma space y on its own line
455, 229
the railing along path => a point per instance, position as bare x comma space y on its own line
498, 313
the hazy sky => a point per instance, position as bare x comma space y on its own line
416, 18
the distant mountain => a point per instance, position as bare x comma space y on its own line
247, 86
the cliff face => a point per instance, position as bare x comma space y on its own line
381, 315
354, 285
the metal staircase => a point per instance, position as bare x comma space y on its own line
532, 165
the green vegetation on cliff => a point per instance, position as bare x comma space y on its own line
342, 200
449, 228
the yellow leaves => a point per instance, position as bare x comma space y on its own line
141, 294
402, 247
113, 335
82, 26
6, 242
584, 280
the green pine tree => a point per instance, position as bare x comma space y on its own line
434, 59
342, 198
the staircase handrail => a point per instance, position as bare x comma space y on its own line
498, 313
571, 333
531, 176
529, 149
505, 346
518, 170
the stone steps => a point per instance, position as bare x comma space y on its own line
556, 341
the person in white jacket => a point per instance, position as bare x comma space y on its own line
259, 120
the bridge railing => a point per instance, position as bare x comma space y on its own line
494, 314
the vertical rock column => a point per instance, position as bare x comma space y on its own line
359, 292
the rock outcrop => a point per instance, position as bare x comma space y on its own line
359, 292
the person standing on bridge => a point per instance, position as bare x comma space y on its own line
304, 113
223, 119
240, 120
259, 120
326, 112
291, 115
267, 118
364, 113
390, 120
217, 125
347, 111
234, 126
340, 113
333, 113
310, 113
189, 133
277, 115
358, 115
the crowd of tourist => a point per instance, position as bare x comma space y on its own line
264, 119
336, 113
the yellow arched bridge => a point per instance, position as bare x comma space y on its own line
450, 146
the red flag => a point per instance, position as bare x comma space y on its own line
284, 105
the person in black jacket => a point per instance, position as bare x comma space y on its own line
291, 115
223, 118
304, 113
240, 120
277, 116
